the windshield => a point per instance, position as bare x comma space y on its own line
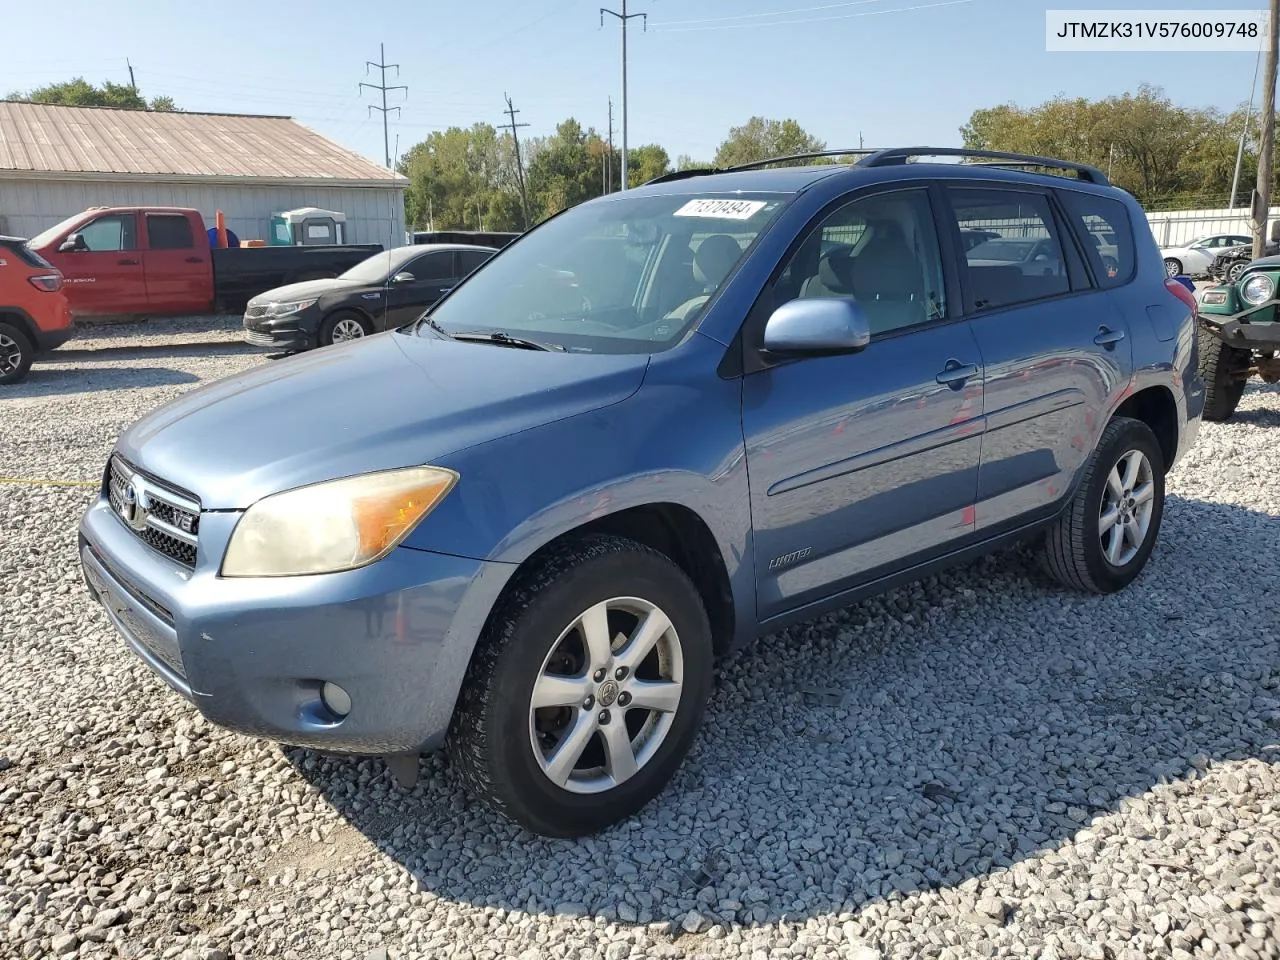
379, 266
47, 237
629, 275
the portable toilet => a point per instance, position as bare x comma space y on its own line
308, 226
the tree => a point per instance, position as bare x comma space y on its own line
760, 139
565, 168
462, 179
647, 162
1163, 153
80, 93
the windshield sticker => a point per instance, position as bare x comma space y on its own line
722, 209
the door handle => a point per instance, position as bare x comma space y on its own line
1108, 338
127, 262
194, 260
955, 373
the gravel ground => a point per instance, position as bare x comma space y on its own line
981, 765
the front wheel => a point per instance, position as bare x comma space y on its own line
1103, 540
342, 327
587, 689
16, 354
1219, 369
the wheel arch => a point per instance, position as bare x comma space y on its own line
674, 530
1156, 407
22, 320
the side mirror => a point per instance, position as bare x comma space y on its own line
817, 326
73, 242
403, 278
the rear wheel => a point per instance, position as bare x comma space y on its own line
1234, 271
1102, 542
16, 353
587, 689
342, 327
1172, 267
1223, 386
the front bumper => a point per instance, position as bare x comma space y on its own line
252, 654
284, 333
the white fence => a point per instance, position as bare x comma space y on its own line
1176, 227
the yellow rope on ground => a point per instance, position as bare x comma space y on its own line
36, 482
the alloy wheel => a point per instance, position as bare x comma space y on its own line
10, 355
347, 329
606, 696
1124, 518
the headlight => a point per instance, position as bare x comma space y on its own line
1257, 289
333, 526
284, 309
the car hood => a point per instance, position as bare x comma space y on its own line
1264, 263
306, 290
386, 401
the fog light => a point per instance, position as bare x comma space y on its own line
335, 699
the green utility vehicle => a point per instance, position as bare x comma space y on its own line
1239, 336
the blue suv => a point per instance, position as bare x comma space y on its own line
660, 424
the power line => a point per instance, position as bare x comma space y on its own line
771, 13
790, 23
623, 17
524, 197
384, 66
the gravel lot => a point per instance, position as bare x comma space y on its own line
981, 765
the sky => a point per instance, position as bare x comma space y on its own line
877, 72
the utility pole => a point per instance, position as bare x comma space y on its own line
1266, 150
623, 17
608, 183
524, 197
383, 66
1244, 131
132, 86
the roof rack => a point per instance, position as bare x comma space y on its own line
757, 164
900, 155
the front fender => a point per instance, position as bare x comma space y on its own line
678, 440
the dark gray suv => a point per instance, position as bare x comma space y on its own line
652, 428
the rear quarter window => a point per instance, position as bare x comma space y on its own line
1103, 226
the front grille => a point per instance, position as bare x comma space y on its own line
255, 310
258, 339
165, 520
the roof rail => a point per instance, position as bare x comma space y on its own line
813, 155
899, 155
757, 164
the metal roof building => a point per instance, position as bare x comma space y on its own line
56, 161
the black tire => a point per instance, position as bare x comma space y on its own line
16, 354
1172, 267
1072, 550
490, 744
325, 337
1222, 390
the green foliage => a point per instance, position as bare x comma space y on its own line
80, 93
645, 163
1164, 154
462, 179
760, 139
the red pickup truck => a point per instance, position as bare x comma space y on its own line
157, 260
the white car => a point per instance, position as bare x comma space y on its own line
1194, 258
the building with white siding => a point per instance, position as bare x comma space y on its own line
57, 161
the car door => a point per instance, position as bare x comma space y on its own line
861, 462
1054, 347
417, 285
177, 270
104, 273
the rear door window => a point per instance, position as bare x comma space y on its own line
469, 260
1108, 235
169, 232
1024, 260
